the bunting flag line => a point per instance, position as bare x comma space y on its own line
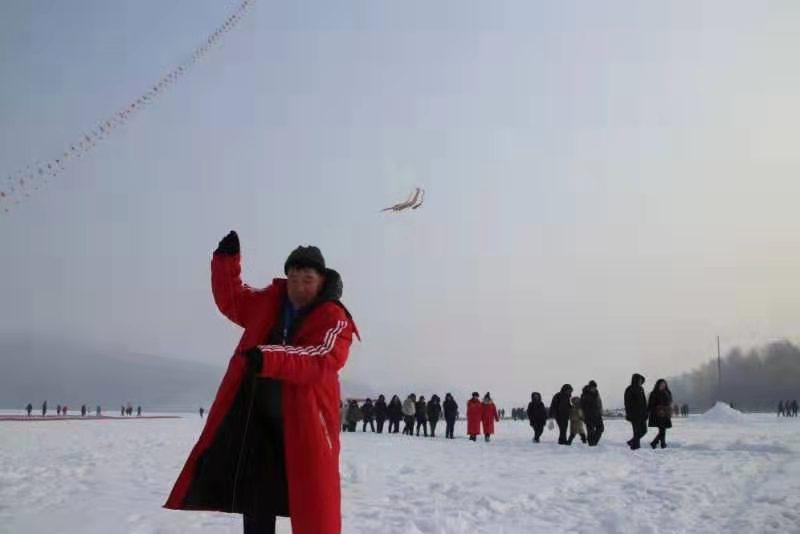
19, 185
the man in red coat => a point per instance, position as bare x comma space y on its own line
270, 446
474, 415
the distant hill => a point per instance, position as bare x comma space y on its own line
36, 369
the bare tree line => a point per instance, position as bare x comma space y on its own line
752, 381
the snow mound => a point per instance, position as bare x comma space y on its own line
722, 413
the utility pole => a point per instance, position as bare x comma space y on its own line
719, 372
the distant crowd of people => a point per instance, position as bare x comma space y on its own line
63, 411
787, 409
415, 413
576, 416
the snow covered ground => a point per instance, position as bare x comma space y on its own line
722, 473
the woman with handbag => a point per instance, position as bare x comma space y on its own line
659, 407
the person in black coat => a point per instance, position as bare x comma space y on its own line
422, 415
659, 407
381, 412
636, 410
368, 415
434, 413
395, 413
592, 406
537, 415
559, 410
450, 415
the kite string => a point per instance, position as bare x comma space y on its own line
19, 185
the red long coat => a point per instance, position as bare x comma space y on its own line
308, 372
488, 417
474, 414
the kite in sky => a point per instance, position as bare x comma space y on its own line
413, 202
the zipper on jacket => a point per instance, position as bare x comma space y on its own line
325, 431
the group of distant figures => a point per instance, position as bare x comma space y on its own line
787, 409
63, 411
575, 415
415, 413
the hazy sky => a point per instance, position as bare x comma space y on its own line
610, 184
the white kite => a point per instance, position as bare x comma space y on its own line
414, 201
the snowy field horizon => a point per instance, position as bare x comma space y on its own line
723, 471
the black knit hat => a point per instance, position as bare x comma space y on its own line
592, 384
301, 257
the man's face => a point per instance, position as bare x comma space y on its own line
304, 284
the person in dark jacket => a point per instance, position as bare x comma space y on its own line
537, 415
353, 415
422, 415
560, 408
636, 410
450, 415
44, 408
368, 415
395, 412
381, 412
592, 406
659, 408
434, 413
780, 409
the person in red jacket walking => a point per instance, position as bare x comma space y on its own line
474, 414
270, 445
488, 416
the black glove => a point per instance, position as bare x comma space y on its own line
255, 360
229, 244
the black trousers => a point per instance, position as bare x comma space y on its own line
537, 431
380, 422
450, 426
563, 426
394, 426
259, 524
594, 431
433, 427
408, 421
660, 437
371, 425
423, 424
639, 430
